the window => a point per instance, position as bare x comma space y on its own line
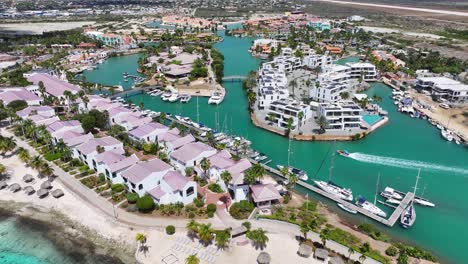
140, 186
190, 191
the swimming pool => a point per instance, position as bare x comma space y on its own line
371, 119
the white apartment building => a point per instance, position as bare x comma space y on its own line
272, 85
283, 110
363, 70
328, 91
444, 88
341, 116
316, 60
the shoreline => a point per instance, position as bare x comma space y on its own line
71, 238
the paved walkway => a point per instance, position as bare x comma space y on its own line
221, 220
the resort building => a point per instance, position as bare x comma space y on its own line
265, 195
328, 91
57, 129
73, 139
281, 111
9, 95
380, 55
443, 88
148, 132
145, 176
112, 163
88, 151
190, 155
286, 63
174, 64
40, 115
272, 85
316, 60
53, 86
171, 140
341, 115
114, 40
362, 70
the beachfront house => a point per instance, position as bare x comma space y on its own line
190, 155
174, 188
73, 138
8, 95
40, 115
148, 132
344, 115
145, 176
265, 195
112, 163
443, 88
57, 129
53, 86
88, 151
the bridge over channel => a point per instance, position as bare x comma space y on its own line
234, 78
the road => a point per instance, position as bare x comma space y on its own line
417, 9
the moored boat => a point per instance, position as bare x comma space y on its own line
390, 193
216, 98
347, 208
370, 207
330, 187
302, 175
447, 134
408, 217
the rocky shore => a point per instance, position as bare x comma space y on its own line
75, 241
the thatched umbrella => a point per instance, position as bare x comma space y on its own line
46, 185
3, 185
15, 187
29, 190
57, 193
28, 178
305, 250
336, 260
42, 193
263, 258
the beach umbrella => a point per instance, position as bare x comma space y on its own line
15, 187
28, 178
46, 185
29, 190
3, 185
336, 260
305, 250
57, 193
42, 193
263, 258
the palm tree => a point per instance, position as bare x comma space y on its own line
258, 237
192, 259
192, 228
141, 240
205, 165
2, 171
23, 155
304, 228
350, 252
7, 144
68, 95
85, 100
37, 162
223, 238
226, 177
344, 95
323, 123
324, 234
142, 105
205, 233
41, 88
289, 126
300, 116
46, 170
292, 180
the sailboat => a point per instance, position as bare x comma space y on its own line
371, 207
302, 175
330, 187
408, 217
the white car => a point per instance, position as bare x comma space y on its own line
444, 106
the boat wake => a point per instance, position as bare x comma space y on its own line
402, 163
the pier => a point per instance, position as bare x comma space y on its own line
134, 91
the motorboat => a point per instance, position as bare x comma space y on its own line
343, 153
408, 217
393, 201
302, 175
390, 193
447, 134
165, 96
174, 97
330, 187
423, 202
370, 207
156, 93
185, 98
347, 208
261, 157
216, 98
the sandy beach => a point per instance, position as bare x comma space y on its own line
39, 28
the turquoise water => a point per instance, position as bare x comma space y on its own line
371, 119
22, 245
110, 72
394, 152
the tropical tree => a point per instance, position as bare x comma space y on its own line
192, 259
37, 162
344, 95
2, 171
223, 238
205, 165
300, 116
192, 228
292, 180
289, 126
141, 240
205, 233
324, 235
23, 155
7, 144
226, 177
323, 123
304, 228
46, 170
258, 237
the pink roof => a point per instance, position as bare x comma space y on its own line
109, 157
123, 164
181, 141
90, 146
140, 171
221, 160
72, 138
53, 85
146, 129
175, 180
57, 126
190, 151
103, 106
38, 109
264, 192
117, 109
157, 192
237, 171
43, 120
170, 135
9, 96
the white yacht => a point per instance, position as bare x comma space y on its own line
216, 98
174, 97
423, 202
408, 217
302, 175
330, 187
368, 206
347, 208
165, 96
393, 201
185, 98
447, 134
390, 193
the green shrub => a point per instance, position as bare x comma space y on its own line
210, 214
241, 210
117, 187
102, 177
247, 225
83, 168
191, 215
132, 198
51, 156
170, 229
214, 187
391, 251
211, 208
145, 204
198, 202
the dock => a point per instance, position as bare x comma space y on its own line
388, 222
